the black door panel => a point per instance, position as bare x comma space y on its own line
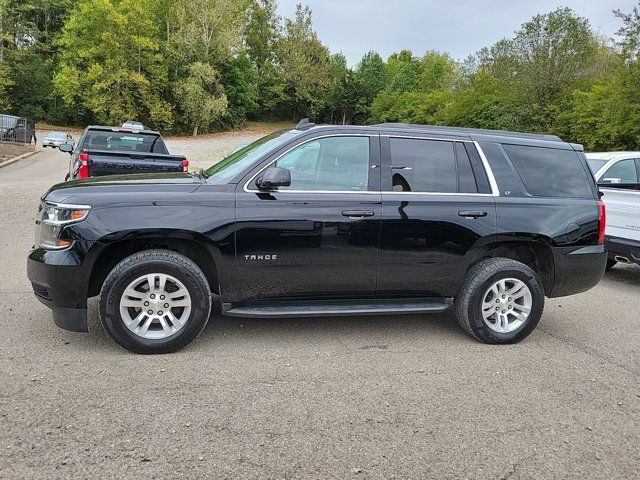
293, 244
424, 241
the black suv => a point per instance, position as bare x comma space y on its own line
328, 220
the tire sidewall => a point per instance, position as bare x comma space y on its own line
475, 307
110, 302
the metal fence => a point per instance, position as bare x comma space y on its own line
17, 130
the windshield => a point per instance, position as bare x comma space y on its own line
238, 161
60, 135
596, 164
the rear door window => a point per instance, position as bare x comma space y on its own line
550, 172
431, 166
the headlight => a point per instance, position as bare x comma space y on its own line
51, 220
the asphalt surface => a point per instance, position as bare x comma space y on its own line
364, 397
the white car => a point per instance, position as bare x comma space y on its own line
618, 177
55, 139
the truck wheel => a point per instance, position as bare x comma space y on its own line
611, 263
500, 301
155, 301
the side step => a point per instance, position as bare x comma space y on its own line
334, 308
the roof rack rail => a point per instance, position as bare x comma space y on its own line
479, 131
304, 124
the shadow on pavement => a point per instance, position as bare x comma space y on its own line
303, 330
627, 274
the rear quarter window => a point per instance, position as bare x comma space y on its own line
550, 172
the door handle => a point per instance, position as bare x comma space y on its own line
472, 213
357, 213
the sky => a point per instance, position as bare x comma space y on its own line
460, 27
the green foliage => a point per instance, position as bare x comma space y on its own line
179, 66
200, 97
262, 31
111, 63
240, 82
305, 66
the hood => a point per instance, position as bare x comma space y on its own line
84, 191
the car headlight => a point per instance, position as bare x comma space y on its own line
51, 220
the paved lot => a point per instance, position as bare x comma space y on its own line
379, 397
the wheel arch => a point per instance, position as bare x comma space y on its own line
534, 252
113, 251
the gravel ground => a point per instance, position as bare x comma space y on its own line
363, 397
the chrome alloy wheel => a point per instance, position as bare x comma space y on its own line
155, 306
506, 305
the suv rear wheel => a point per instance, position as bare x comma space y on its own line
500, 301
155, 301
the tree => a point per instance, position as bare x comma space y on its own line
630, 33
240, 81
346, 96
372, 75
549, 56
262, 32
111, 63
205, 31
200, 97
305, 65
28, 31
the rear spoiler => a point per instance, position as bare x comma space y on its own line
577, 147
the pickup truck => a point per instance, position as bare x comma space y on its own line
327, 220
120, 150
618, 177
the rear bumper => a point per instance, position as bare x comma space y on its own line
622, 247
59, 280
578, 270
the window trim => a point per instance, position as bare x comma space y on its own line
485, 163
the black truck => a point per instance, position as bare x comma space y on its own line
328, 220
128, 149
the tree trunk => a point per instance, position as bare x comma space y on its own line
195, 131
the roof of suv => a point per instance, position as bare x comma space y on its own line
475, 134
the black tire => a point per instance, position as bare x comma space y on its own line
611, 263
155, 261
468, 304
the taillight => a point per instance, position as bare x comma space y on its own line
602, 221
83, 171
185, 165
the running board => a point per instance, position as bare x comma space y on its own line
334, 308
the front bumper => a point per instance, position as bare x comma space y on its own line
59, 280
577, 271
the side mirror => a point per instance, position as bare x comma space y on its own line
274, 177
65, 147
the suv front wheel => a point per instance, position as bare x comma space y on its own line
155, 301
500, 301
